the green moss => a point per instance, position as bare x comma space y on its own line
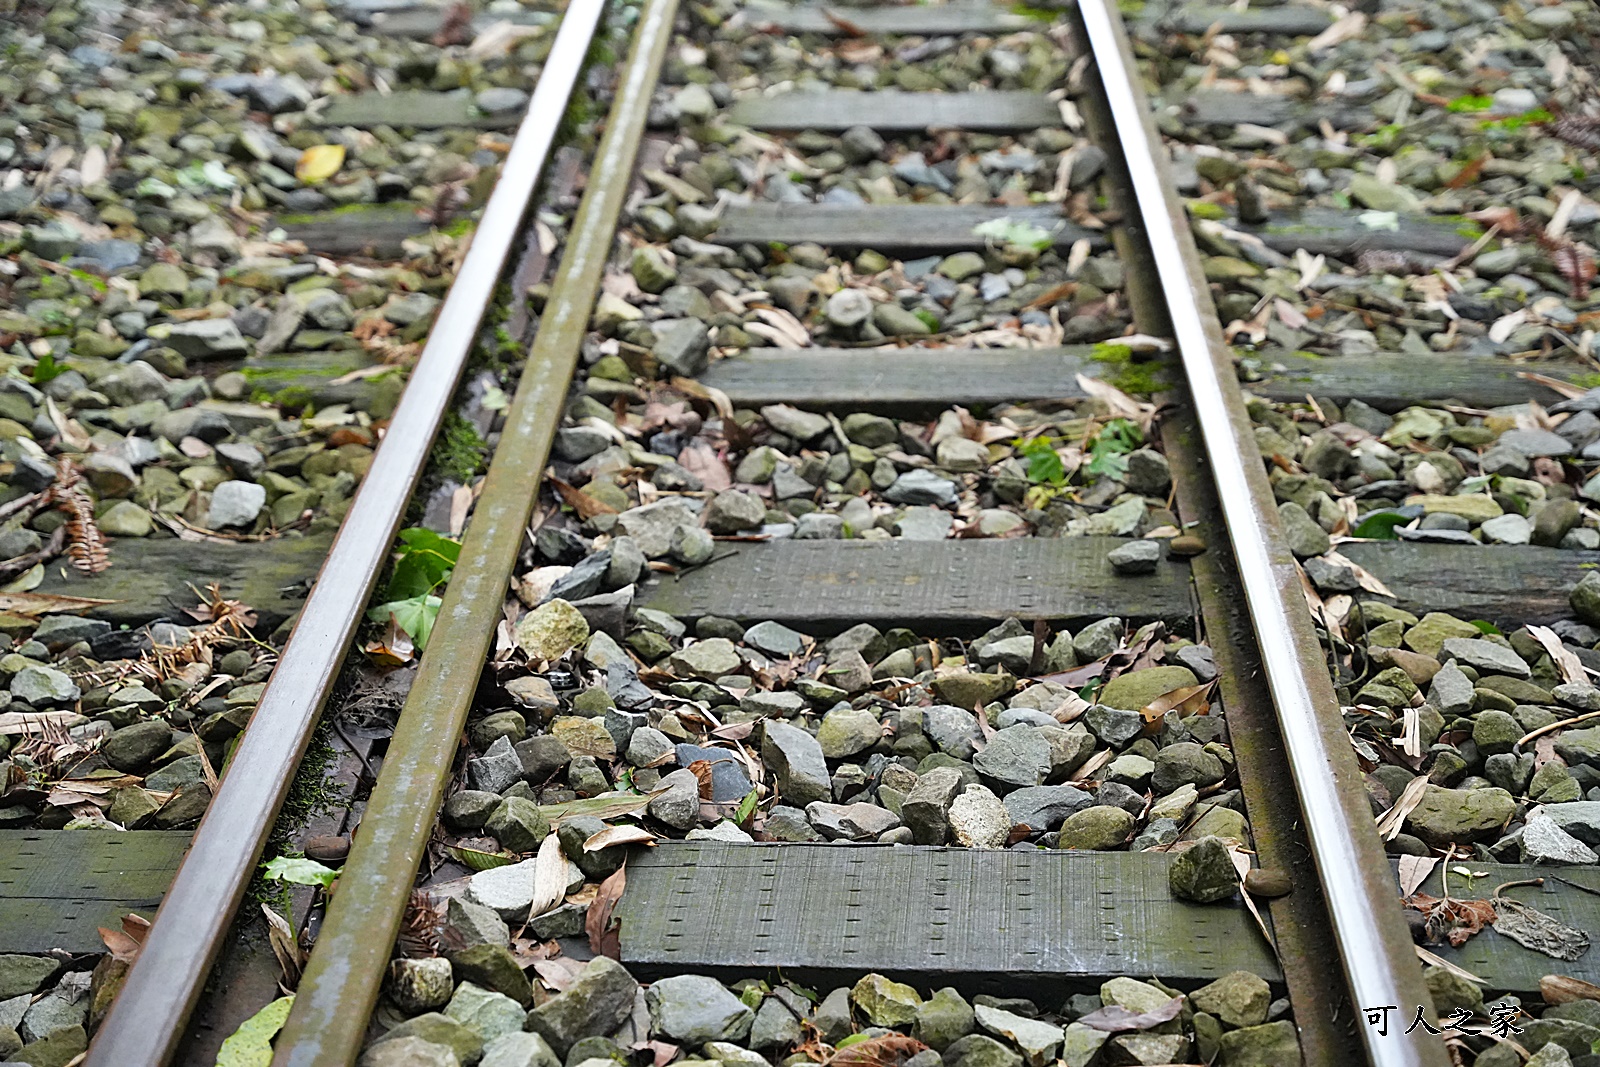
1131, 376
459, 452
1204, 209
1586, 381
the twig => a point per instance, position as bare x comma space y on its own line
1541, 731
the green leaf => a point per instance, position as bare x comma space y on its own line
1476, 484
299, 870
1044, 464
1015, 233
1485, 627
478, 860
1470, 103
1380, 527
853, 1039
747, 808
415, 615
251, 1044
426, 560
47, 368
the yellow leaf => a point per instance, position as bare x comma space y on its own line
319, 162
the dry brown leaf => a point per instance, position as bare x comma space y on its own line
559, 973
701, 769
842, 24
1390, 822
1559, 989
619, 835
1115, 1019
1433, 959
890, 1050
124, 944
1454, 919
585, 505
1414, 870
549, 877
711, 395
1365, 578
1189, 700
699, 459
604, 938
1566, 661
291, 958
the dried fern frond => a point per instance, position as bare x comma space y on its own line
1575, 262
86, 545
419, 930
1580, 131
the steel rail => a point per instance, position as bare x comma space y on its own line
342, 980
148, 1018
1379, 961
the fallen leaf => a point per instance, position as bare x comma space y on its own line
1365, 578
585, 505
1189, 700
251, 1044
559, 973
549, 877
701, 769
890, 1050
1433, 959
1390, 822
604, 939
1115, 1019
1559, 989
48, 603
1533, 929
291, 958
619, 835
124, 944
1566, 661
1453, 919
319, 163
1414, 870
699, 459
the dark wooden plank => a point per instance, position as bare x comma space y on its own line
892, 109
1505, 584
376, 231
1290, 20
897, 227
1505, 965
821, 378
972, 917
946, 585
918, 19
1393, 380
151, 577
57, 886
1333, 232
416, 109
1221, 107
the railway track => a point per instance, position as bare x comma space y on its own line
902, 495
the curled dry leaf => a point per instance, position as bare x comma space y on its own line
1455, 920
1533, 929
1187, 700
619, 835
701, 769
124, 944
1115, 1019
890, 1050
1390, 822
549, 877
604, 938
585, 505
1559, 989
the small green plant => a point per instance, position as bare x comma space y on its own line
1015, 233
1470, 103
426, 562
47, 369
1108, 453
1044, 463
1517, 122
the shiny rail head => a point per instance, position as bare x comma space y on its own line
1377, 957
148, 1018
